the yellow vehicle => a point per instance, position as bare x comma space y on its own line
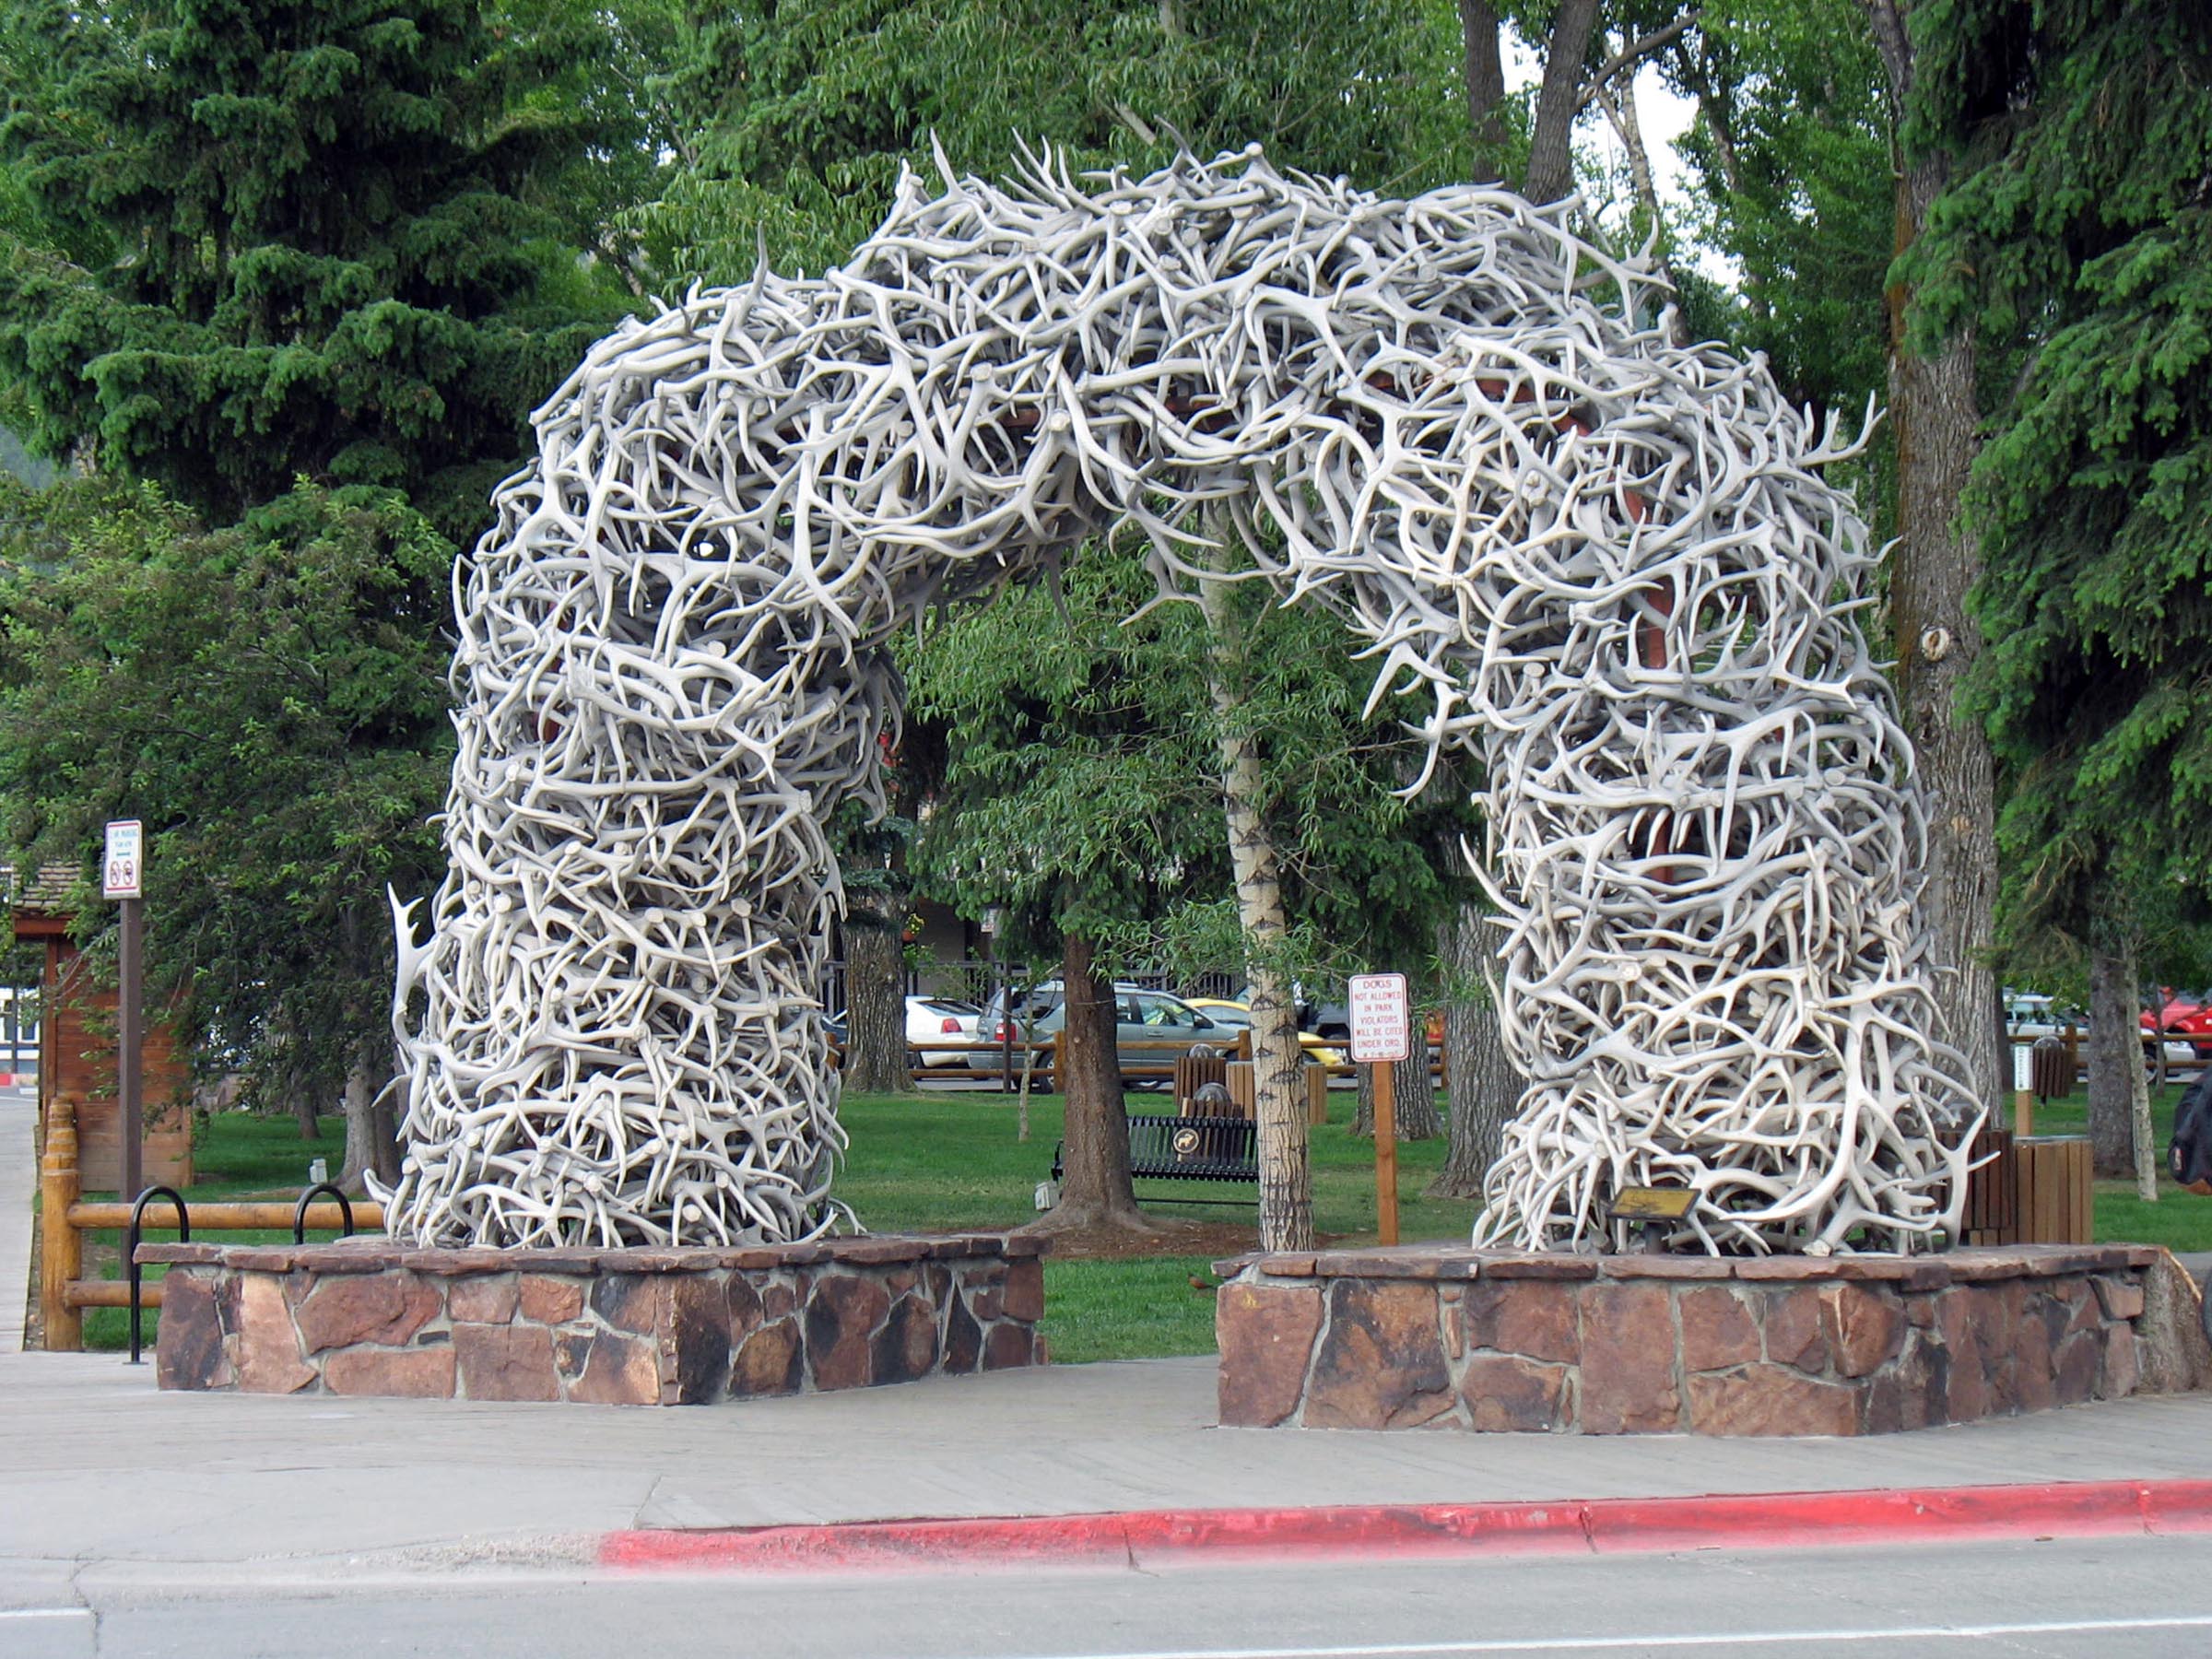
1237, 1016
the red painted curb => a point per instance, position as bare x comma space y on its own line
1152, 1538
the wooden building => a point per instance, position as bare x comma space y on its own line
78, 1050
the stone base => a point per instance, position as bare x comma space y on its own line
1450, 1337
623, 1327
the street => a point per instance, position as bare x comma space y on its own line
2114, 1599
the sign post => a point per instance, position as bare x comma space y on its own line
2023, 1087
122, 877
1381, 1036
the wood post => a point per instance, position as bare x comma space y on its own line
60, 1246
1317, 1094
1386, 1153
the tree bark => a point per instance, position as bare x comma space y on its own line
1094, 1159
1414, 1097
1932, 418
2141, 1133
1286, 1173
371, 1129
1551, 158
1483, 1090
1485, 76
875, 1052
2116, 1057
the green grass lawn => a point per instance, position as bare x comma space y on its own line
943, 1163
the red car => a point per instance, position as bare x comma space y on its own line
2183, 1014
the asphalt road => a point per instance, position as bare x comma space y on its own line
2124, 1598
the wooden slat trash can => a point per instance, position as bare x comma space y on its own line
2052, 1184
1192, 1072
1992, 1191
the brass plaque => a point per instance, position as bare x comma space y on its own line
1187, 1142
1652, 1204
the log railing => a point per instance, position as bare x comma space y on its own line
64, 1216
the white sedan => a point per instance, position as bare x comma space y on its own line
938, 1029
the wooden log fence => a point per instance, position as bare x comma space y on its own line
65, 1216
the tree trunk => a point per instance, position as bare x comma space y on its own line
2143, 1136
1485, 74
1286, 1173
1932, 416
1550, 159
1483, 1089
876, 1051
371, 1129
1094, 1159
2116, 1057
1413, 1097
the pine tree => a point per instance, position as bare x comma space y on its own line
338, 238
2075, 239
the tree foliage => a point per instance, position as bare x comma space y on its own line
2077, 233
273, 239
797, 117
1083, 788
268, 699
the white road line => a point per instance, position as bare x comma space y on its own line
45, 1612
1599, 1644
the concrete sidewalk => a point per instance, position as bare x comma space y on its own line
18, 1185
98, 1467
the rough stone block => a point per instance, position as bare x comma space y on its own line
1627, 1381
628, 1301
488, 1301
265, 1354
1909, 1392
1382, 1359
2116, 1381
618, 1370
1531, 1317
1771, 1399
1009, 1346
1266, 1336
406, 1373
188, 1347
505, 1362
2080, 1361
385, 1309
841, 1315
963, 1339
1863, 1328
695, 1359
1025, 1290
1795, 1329
1505, 1394
1717, 1329
1966, 1377
549, 1302
906, 1346
772, 1360
2121, 1298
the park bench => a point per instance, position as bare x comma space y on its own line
1189, 1148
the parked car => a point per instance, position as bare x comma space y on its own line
1237, 1017
945, 1023
2186, 1015
2030, 1013
1150, 1028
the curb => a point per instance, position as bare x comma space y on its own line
1151, 1539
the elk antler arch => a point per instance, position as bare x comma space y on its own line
1614, 562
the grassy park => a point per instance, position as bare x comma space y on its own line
948, 1162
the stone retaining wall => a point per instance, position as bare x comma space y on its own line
1433, 1336
626, 1328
